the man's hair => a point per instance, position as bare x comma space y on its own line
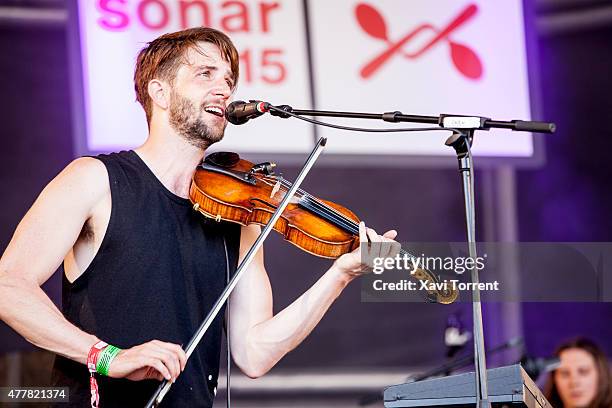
162, 57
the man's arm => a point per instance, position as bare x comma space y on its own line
259, 339
42, 239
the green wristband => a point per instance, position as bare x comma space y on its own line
106, 357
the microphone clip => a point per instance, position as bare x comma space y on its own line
280, 111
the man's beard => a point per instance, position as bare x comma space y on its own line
187, 121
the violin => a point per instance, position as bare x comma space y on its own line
228, 188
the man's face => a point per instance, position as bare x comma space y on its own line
201, 90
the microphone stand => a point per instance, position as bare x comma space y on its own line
164, 387
463, 128
462, 141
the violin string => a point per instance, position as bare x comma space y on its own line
331, 211
340, 219
325, 208
326, 212
321, 206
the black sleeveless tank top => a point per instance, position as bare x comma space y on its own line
159, 270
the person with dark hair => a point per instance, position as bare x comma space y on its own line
583, 379
142, 268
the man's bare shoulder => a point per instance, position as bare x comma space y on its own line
53, 223
86, 171
84, 180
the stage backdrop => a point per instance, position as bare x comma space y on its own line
420, 57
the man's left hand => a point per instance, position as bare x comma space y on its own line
371, 245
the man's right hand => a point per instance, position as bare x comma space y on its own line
153, 360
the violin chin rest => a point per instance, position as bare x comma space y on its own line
223, 159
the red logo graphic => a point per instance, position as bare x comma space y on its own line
464, 58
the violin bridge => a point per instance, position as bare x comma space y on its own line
275, 188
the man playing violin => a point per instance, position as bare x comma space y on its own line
141, 268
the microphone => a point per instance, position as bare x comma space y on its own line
240, 112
